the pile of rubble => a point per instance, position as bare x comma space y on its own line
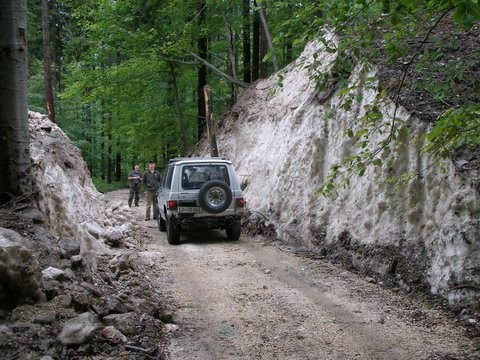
71, 284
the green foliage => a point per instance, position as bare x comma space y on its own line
117, 63
360, 26
36, 97
456, 128
103, 187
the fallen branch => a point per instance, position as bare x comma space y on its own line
218, 71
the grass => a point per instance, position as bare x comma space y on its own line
103, 187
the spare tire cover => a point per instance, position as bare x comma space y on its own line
215, 196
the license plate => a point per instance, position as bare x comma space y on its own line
190, 210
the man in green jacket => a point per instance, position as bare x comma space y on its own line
151, 180
135, 180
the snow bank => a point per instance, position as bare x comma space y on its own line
283, 141
66, 197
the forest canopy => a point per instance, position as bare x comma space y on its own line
127, 76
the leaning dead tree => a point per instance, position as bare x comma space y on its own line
212, 139
266, 32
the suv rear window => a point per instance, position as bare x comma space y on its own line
194, 176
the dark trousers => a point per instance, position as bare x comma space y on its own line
134, 190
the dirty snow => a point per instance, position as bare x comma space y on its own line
284, 139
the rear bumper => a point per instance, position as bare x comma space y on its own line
186, 221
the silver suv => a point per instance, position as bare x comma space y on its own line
200, 193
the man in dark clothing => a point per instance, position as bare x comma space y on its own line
151, 179
135, 180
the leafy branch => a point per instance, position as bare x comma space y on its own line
446, 135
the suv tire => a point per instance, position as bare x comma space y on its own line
173, 232
215, 196
162, 225
234, 230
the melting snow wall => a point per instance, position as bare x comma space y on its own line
66, 196
283, 141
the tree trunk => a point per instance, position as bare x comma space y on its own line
88, 128
47, 63
118, 167
232, 65
109, 149
212, 139
202, 48
247, 72
256, 45
265, 44
178, 105
14, 131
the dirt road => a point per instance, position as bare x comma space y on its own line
248, 300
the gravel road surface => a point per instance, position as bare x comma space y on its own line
252, 300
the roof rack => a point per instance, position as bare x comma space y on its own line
175, 159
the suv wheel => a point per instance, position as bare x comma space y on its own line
162, 225
233, 230
215, 196
173, 232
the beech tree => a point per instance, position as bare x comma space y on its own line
14, 131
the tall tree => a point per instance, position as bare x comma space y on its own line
256, 44
264, 34
14, 132
202, 48
247, 71
47, 62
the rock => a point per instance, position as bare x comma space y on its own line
169, 328
94, 290
48, 317
76, 261
114, 237
81, 301
52, 273
66, 300
472, 322
128, 324
19, 271
114, 306
69, 274
68, 248
5, 335
113, 335
94, 229
78, 330
165, 316
119, 264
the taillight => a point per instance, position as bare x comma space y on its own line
172, 205
240, 202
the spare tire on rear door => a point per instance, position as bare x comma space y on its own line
215, 196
